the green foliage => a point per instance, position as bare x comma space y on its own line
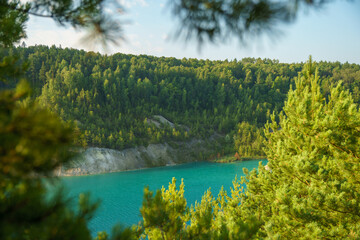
12, 22
11, 68
33, 142
310, 188
167, 216
28, 141
249, 141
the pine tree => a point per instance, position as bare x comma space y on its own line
166, 215
310, 189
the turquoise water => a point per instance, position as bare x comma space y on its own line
121, 193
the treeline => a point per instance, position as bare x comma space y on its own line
112, 99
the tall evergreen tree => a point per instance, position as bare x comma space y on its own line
310, 189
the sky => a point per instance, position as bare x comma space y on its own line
329, 34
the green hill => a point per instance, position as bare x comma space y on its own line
113, 99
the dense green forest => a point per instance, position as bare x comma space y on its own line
113, 99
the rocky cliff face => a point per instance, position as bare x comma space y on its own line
102, 160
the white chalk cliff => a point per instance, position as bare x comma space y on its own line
102, 160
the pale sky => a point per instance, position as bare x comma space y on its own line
331, 34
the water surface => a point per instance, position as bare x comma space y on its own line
121, 193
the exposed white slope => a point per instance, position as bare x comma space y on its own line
103, 160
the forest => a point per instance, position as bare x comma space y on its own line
112, 99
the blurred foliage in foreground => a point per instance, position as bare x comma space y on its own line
33, 142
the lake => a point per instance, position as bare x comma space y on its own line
121, 193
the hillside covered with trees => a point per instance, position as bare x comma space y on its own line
113, 99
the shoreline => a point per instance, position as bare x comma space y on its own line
232, 158
94, 160
172, 165
127, 170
